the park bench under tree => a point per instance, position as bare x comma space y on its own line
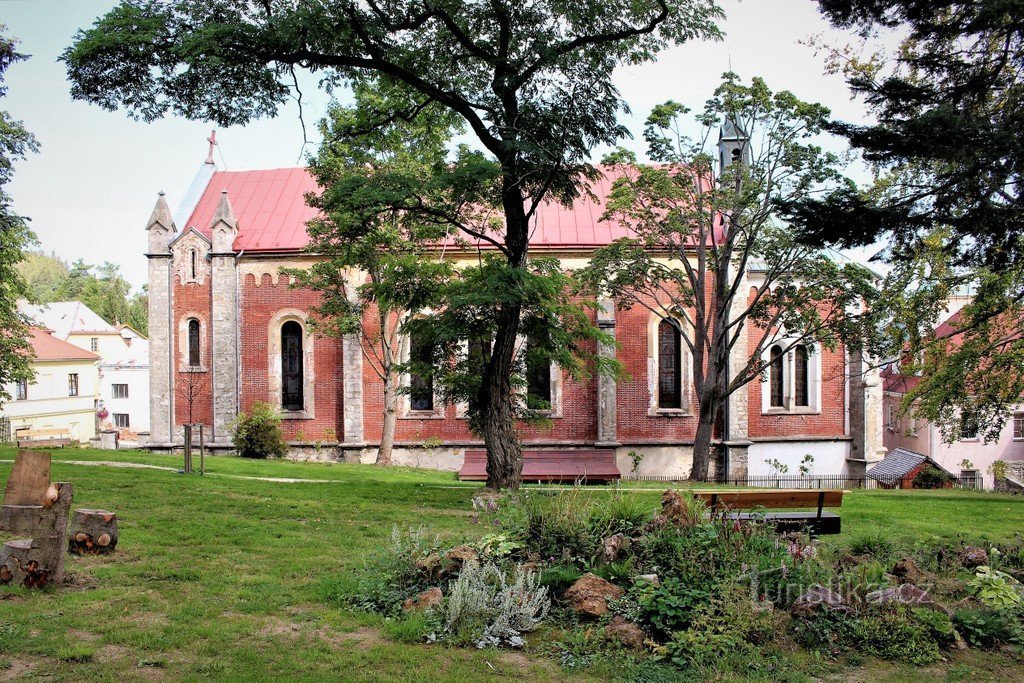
805, 508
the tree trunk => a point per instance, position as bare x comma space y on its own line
497, 414
702, 447
387, 437
93, 532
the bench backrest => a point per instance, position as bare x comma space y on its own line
28, 434
771, 498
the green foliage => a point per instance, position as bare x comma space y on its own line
672, 265
15, 237
990, 628
412, 628
939, 624
875, 542
995, 588
671, 606
387, 577
893, 635
931, 478
257, 434
557, 578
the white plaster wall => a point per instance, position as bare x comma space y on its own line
137, 403
657, 461
829, 457
981, 455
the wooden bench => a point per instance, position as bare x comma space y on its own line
593, 465
817, 520
33, 438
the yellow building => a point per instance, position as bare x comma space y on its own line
62, 395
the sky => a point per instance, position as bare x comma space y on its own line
91, 188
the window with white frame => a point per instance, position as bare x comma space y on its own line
119, 390
73, 384
670, 366
21, 390
970, 479
969, 427
121, 420
94, 344
793, 379
1018, 426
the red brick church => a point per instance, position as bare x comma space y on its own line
226, 330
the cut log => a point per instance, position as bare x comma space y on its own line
26, 490
93, 532
20, 520
39, 561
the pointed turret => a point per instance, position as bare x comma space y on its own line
224, 226
161, 227
733, 145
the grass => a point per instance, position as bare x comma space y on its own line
220, 576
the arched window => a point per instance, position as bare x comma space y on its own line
800, 377
670, 366
291, 366
775, 377
193, 343
538, 381
421, 389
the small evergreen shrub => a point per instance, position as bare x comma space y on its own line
895, 636
258, 433
931, 478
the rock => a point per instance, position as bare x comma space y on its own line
816, 599
430, 565
456, 558
850, 561
907, 571
972, 556
626, 633
428, 599
909, 595
589, 596
615, 546
675, 510
649, 578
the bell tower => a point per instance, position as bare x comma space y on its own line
733, 145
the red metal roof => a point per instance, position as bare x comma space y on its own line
272, 213
47, 347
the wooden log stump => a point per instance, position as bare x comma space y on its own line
39, 561
19, 520
93, 532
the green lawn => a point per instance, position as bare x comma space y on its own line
218, 576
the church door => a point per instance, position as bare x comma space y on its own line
291, 366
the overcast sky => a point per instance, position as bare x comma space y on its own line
92, 186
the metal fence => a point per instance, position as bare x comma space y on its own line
815, 481
5, 430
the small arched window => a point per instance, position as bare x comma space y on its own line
775, 377
291, 366
800, 378
670, 366
193, 258
193, 343
421, 388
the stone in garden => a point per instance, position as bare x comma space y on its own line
428, 599
907, 571
589, 596
908, 595
615, 547
626, 633
649, 578
972, 556
817, 599
93, 532
430, 565
456, 558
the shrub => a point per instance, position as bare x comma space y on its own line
484, 607
558, 578
931, 478
989, 628
672, 606
560, 527
258, 433
995, 588
892, 635
875, 542
387, 578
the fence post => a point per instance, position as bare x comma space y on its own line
188, 449
202, 453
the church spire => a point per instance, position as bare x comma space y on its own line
160, 227
733, 145
224, 226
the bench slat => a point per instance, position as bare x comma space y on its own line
771, 498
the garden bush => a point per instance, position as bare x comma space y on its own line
487, 607
257, 434
931, 478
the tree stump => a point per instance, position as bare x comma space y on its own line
39, 561
93, 532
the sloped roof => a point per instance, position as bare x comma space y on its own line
46, 347
134, 356
67, 317
272, 212
898, 463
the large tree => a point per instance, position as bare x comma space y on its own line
710, 254
948, 153
532, 80
15, 236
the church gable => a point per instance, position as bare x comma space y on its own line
190, 258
